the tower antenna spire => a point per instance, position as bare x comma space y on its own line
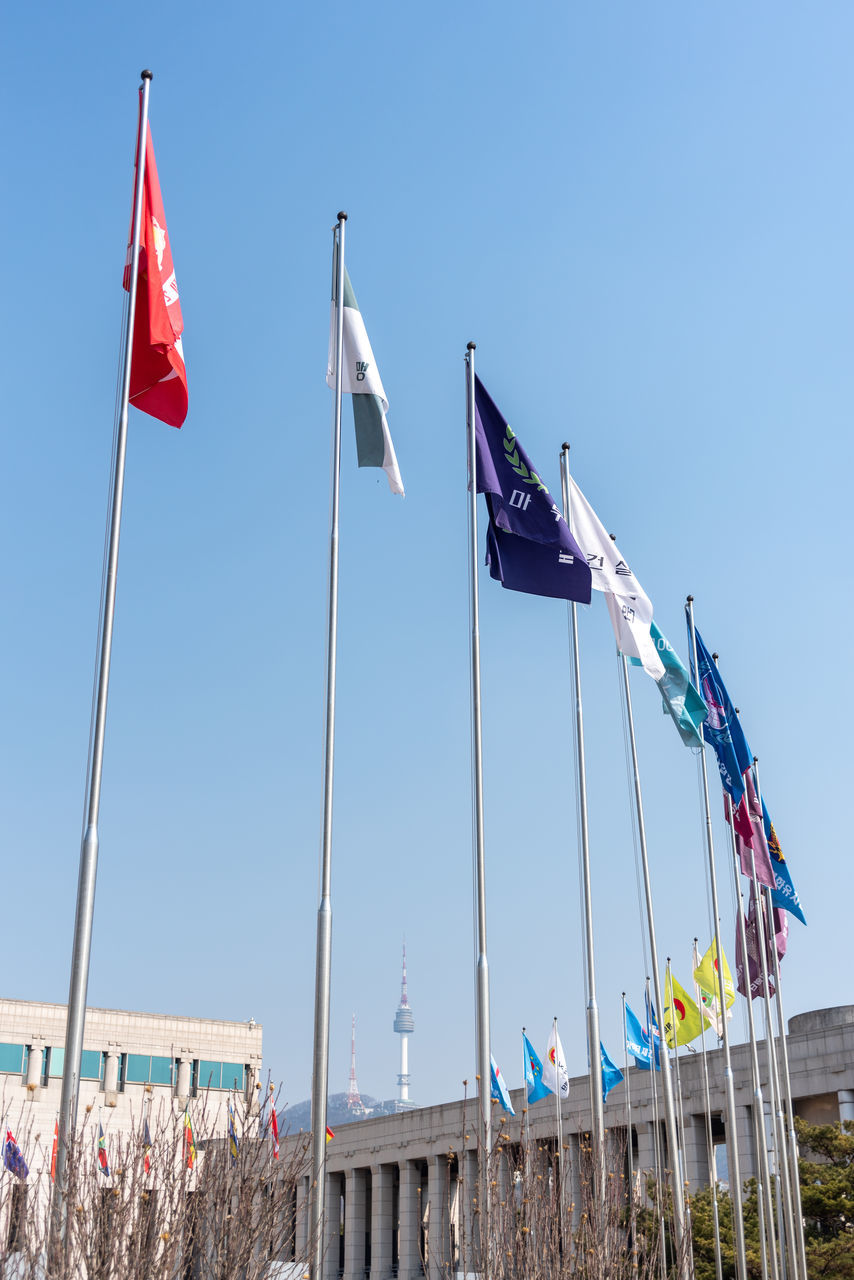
354, 1098
404, 1025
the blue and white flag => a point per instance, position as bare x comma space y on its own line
785, 895
500, 1091
533, 1072
637, 1043
722, 728
528, 546
611, 1075
680, 699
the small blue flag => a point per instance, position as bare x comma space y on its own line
785, 895
233, 1144
638, 1044
12, 1158
611, 1075
529, 546
500, 1091
722, 728
533, 1073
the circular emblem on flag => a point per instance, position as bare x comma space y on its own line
552, 1055
680, 1009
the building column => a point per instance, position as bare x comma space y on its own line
301, 1235
572, 1173
408, 1254
381, 1221
111, 1072
332, 1235
184, 1069
845, 1097
355, 1224
34, 1065
696, 1148
437, 1229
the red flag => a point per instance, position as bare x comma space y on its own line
274, 1126
158, 378
750, 833
53, 1152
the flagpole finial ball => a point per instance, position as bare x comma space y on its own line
147, 75
342, 217
565, 446
690, 599
471, 346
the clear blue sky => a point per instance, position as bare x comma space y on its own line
642, 215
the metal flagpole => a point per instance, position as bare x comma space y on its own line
680, 1132
323, 960
794, 1170
629, 1152
710, 1146
82, 944
482, 968
732, 1128
659, 1176
559, 1127
766, 1216
666, 1081
593, 1036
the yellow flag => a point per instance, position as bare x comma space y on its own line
706, 976
682, 1019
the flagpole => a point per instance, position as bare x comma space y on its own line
666, 1082
84, 915
593, 1036
781, 1153
710, 1146
680, 1150
629, 1152
766, 1218
659, 1175
323, 961
482, 968
559, 1128
732, 1130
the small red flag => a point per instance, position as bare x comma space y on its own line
158, 378
274, 1126
53, 1152
329, 1134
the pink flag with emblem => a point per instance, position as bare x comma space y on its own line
158, 378
750, 833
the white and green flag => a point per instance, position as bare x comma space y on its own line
361, 377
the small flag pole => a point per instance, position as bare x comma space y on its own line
559, 1109
766, 1215
629, 1152
82, 941
710, 1146
732, 1129
323, 961
482, 967
673, 1146
593, 1036
656, 1128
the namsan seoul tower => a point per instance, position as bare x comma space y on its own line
404, 1025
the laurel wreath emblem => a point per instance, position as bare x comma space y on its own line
511, 453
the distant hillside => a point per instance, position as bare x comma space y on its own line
337, 1112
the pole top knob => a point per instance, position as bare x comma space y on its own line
342, 217
147, 75
690, 599
471, 346
565, 446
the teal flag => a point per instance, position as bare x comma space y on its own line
681, 700
611, 1075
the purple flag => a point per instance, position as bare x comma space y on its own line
780, 926
749, 830
529, 547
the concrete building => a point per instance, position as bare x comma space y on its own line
399, 1186
131, 1061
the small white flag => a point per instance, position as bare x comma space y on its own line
554, 1067
628, 604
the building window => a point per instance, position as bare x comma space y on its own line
122, 1073
210, 1075
56, 1062
138, 1067
233, 1075
91, 1064
161, 1070
12, 1058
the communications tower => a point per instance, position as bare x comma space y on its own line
354, 1098
404, 1025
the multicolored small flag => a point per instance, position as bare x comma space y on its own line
533, 1073
233, 1144
102, 1153
329, 1134
638, 1042
555, 1076
274, 1129
528, 545
146, 1148
499, 1090
189, 1141
683, 1021
158, 376
13, 1160
753, 968
784, 895
679, 699
53, 1151
611, 1075
750, 834
361, 377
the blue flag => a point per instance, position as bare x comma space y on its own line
533, 1073
722, 729
528, 546
637, 1043
12, 1158
681, 700
611, 1075
785, 894
500, 1091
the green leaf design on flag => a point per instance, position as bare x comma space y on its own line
512, 455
